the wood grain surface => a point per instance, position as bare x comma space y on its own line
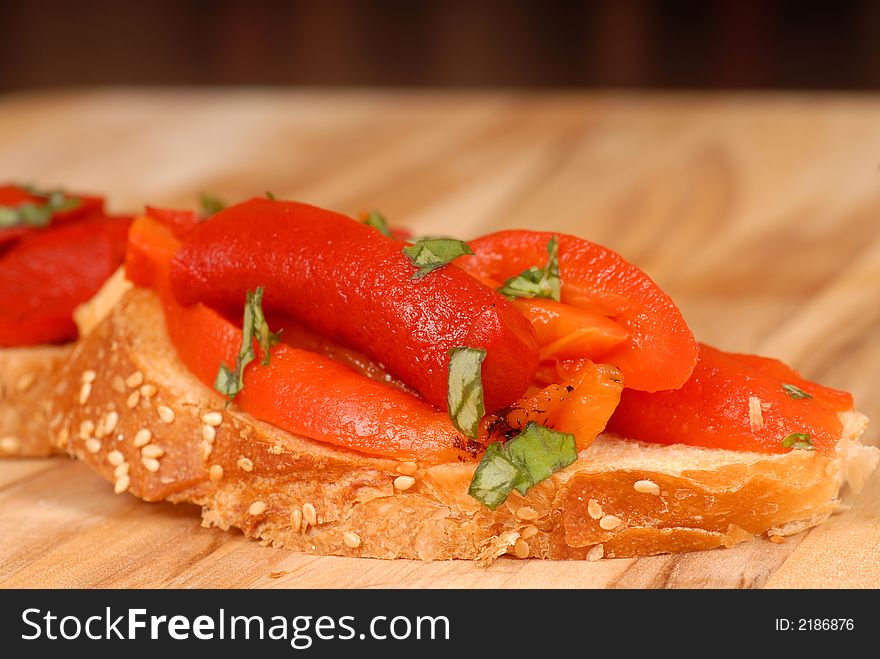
759, 214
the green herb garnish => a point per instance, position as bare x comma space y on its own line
537, 282
520, 464
270, 196
799, 440
464, 395
428, 254
36, 215
795, 392
376, 220
254, 326
210, 205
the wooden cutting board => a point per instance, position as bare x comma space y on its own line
759, 214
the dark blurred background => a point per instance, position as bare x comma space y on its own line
749, 44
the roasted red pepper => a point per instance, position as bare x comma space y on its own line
347, 281
656, 350
735, 402
299, 391
45, 272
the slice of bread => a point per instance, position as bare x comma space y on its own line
26, 379
28, 376
153, 430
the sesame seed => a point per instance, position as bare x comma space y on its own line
596, 552
165, 413
148, 390
212, 418
142, 437
756, 418
609, 522
208, 433
88, 376
63, 436
296, 518
215, 472
527, 513
110, 422
407, 468
310, 514
121, 484
25, 381
86, 429
133, 399
521, 548
152, 451
115, 458
594, 509
93, 445
403, 483
151, 464
56, 420
529, 531
257, 508
245, 464
121, 470
84, 393
207, 449
118, 384
10, 444
647, 487
99, 428
777, 539
136, 379
351, 539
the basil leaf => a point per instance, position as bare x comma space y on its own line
537, 282
795, 392
265, 337
464, 394
799, 440
254, 326
270, 196
429, 254
210, 205
36, 215
526, 460
376, 220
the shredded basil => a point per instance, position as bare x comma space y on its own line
254, 326
537, 282
210, 204
795, 392
464, 395
376, 220
799, 440
270, 196
428, 254
526, 460
36, 215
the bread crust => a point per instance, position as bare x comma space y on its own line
27, 376
152, 429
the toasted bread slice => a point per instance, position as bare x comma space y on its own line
26, 379
28, 376
151, 428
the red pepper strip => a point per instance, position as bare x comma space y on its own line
46, 274
181, 223
299, 391
839, 401
347, 281
712, 408
660, 352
